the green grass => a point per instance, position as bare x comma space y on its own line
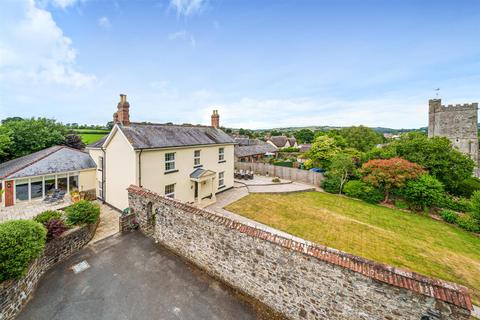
395, 237
88, 138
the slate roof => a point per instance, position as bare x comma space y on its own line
247, 141
199, 172
152, 136
52, 160
245, 151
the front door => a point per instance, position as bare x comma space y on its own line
8, 193
196, 190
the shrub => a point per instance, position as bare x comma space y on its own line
55, 228
467, 187
424, 192
289, 149
331, 184
475, 206
21, 241
449, 216
82, 212
276, 180
361, 190
400, 204
468, 223
48, 215
455, 204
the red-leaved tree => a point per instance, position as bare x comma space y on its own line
390, 173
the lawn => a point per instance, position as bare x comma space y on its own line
91, 135
395, 237
88, 138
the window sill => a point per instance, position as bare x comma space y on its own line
222, 161
170, 171
221, 187
198, 166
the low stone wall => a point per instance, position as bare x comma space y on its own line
299, 175
300, 280
14, 294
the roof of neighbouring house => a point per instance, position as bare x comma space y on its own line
305, 147
152, 136
279, 141
292, 141
247, 141
52, 160
245, 151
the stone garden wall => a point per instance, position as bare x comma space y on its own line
265, 169
300, 280
14, 294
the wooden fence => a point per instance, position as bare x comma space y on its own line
304, 176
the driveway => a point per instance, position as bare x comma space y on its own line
131, 278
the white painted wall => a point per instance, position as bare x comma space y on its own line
155, 179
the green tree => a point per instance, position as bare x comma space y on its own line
361, 138
304, 136
342, 166
30, 135
5, 141
423, 193
475, 206
321, 153
436, 155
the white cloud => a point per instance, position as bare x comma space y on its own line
104, 22
35, 49
183, 35
188, 7
65, 3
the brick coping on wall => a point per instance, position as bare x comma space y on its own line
446, 291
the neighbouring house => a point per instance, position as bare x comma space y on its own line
253, 150
304, 147
281, 142
191, 163
34, 176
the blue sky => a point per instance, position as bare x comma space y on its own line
261, 63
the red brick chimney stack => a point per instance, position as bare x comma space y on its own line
123, 111
215, 119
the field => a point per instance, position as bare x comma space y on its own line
91, 135
410, 241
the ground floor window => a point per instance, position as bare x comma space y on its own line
170, 191
73, 183
221, 179
21, 190
100, 189
49, 185
36, 188
62, 182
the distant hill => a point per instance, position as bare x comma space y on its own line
327, 128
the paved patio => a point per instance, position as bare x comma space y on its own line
109, 223
28, 210
130, 277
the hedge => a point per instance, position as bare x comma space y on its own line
21, 241
82, 212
